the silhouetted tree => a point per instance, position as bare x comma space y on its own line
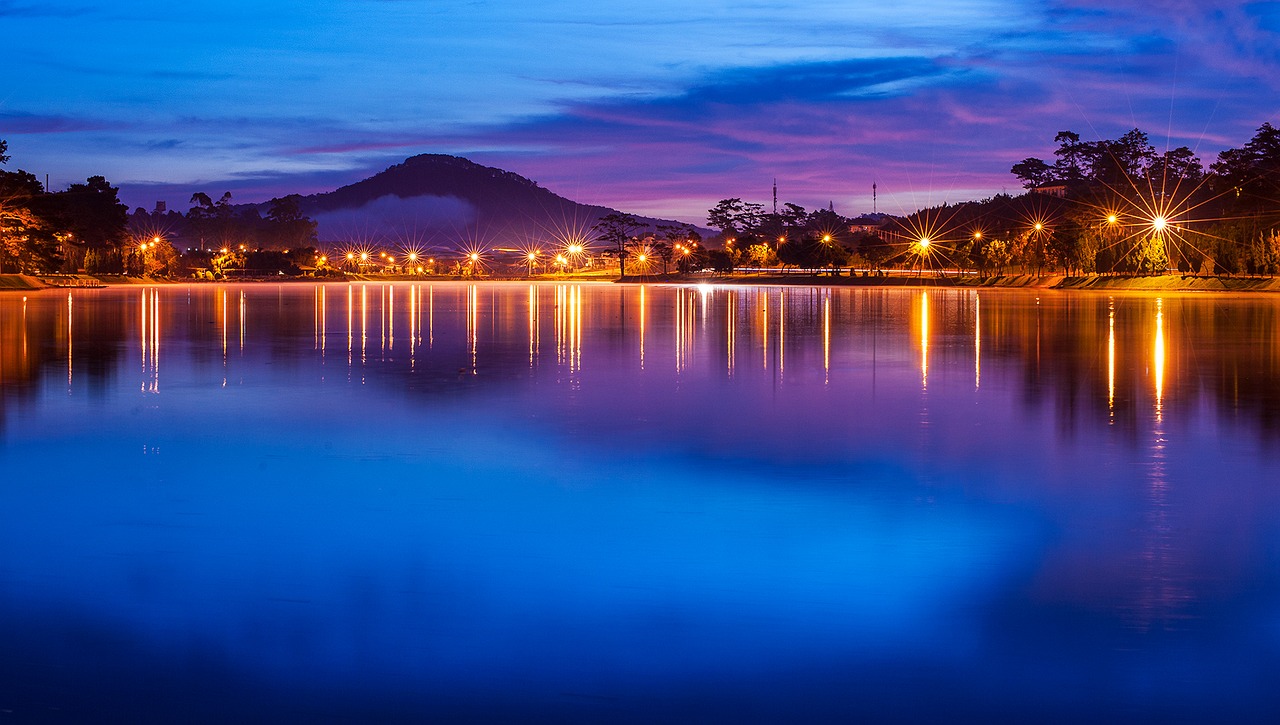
615, 229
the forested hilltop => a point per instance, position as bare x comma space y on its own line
1114, 206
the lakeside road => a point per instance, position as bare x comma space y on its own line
1094, 283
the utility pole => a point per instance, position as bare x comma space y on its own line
874, 210
775, 196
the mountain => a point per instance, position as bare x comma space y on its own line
453, 202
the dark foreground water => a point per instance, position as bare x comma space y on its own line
564, 503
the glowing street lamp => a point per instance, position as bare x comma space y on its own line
1159, 223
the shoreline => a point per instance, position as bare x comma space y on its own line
1161, 283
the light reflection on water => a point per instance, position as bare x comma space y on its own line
600, 502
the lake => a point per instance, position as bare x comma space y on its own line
506, 502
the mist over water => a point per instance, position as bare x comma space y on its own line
612, 503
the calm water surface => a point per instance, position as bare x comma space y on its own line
581, 503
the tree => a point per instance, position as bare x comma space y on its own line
664, 252
1033, 172
997, 256
761, 255
874, 249
723, 260
1071, 153
213, 222
734, 217
4, 148
286, 226
1251, 174
725, 216
27, 240
1119, 163
91, 216
1173, 168
1150, 256
615, 229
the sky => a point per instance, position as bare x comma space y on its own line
659, 108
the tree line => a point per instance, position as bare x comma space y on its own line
87, 227
1110, 206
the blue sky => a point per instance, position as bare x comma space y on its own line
659, 107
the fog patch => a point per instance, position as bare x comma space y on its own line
394, 217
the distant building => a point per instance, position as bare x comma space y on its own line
161, 208
868, 223
1058, 190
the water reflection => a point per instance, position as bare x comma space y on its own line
1232, 354
1087, 484
924, 340
1111, 360
977, 341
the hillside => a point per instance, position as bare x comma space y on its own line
450, 201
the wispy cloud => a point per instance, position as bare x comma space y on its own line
626, 104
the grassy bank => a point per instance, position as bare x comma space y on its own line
19, 282
1161, 283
